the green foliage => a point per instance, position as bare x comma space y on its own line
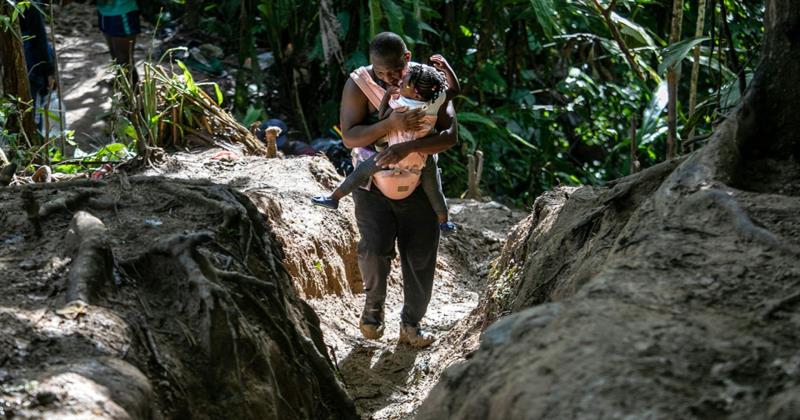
675, 53
548, 94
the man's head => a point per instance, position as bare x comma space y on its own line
389, 57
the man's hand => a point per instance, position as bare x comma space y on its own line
440, 63
392, 154
392, 90
406, 120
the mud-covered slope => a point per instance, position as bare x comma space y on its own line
319, 244
386, 381
657, 297
145, 297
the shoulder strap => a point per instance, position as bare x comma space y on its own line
372, 90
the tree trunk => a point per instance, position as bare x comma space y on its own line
775, 85
698, 32
673, 77
733, 58
15, 79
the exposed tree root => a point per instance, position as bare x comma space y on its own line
779, 304
244, 279
92, 260
31, 207
69, 202
189, 299
744, 227
201, 275
318, 362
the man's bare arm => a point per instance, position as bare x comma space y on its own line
353, 113
385, 110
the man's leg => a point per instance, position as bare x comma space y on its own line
418, 242
121, 49
376, 224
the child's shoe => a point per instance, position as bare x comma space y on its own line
447, 228
324, 201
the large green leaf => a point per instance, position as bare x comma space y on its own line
476, 118
730, 96
632, 29
375, 15
466, 134
425, 27
394, 15
187, 75
522, 141
545, 15
652, 114
713, 63
676, 52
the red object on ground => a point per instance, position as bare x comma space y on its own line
102, 171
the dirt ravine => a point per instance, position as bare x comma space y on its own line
167, 295
386, 381
146, 329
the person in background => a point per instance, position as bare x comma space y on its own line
40, 60
119, 22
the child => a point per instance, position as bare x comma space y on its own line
422, 87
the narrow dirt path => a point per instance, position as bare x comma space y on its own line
85, 71
389, 381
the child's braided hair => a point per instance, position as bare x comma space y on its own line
428, 82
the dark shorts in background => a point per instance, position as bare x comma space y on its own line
120, 25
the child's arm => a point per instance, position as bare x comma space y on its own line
440, 63
385, 110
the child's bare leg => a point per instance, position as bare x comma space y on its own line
356, 179
337, 194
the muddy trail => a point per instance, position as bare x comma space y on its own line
85, 72
215, 287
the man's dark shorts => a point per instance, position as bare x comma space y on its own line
121, 25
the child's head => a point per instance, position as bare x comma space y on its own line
423, 83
